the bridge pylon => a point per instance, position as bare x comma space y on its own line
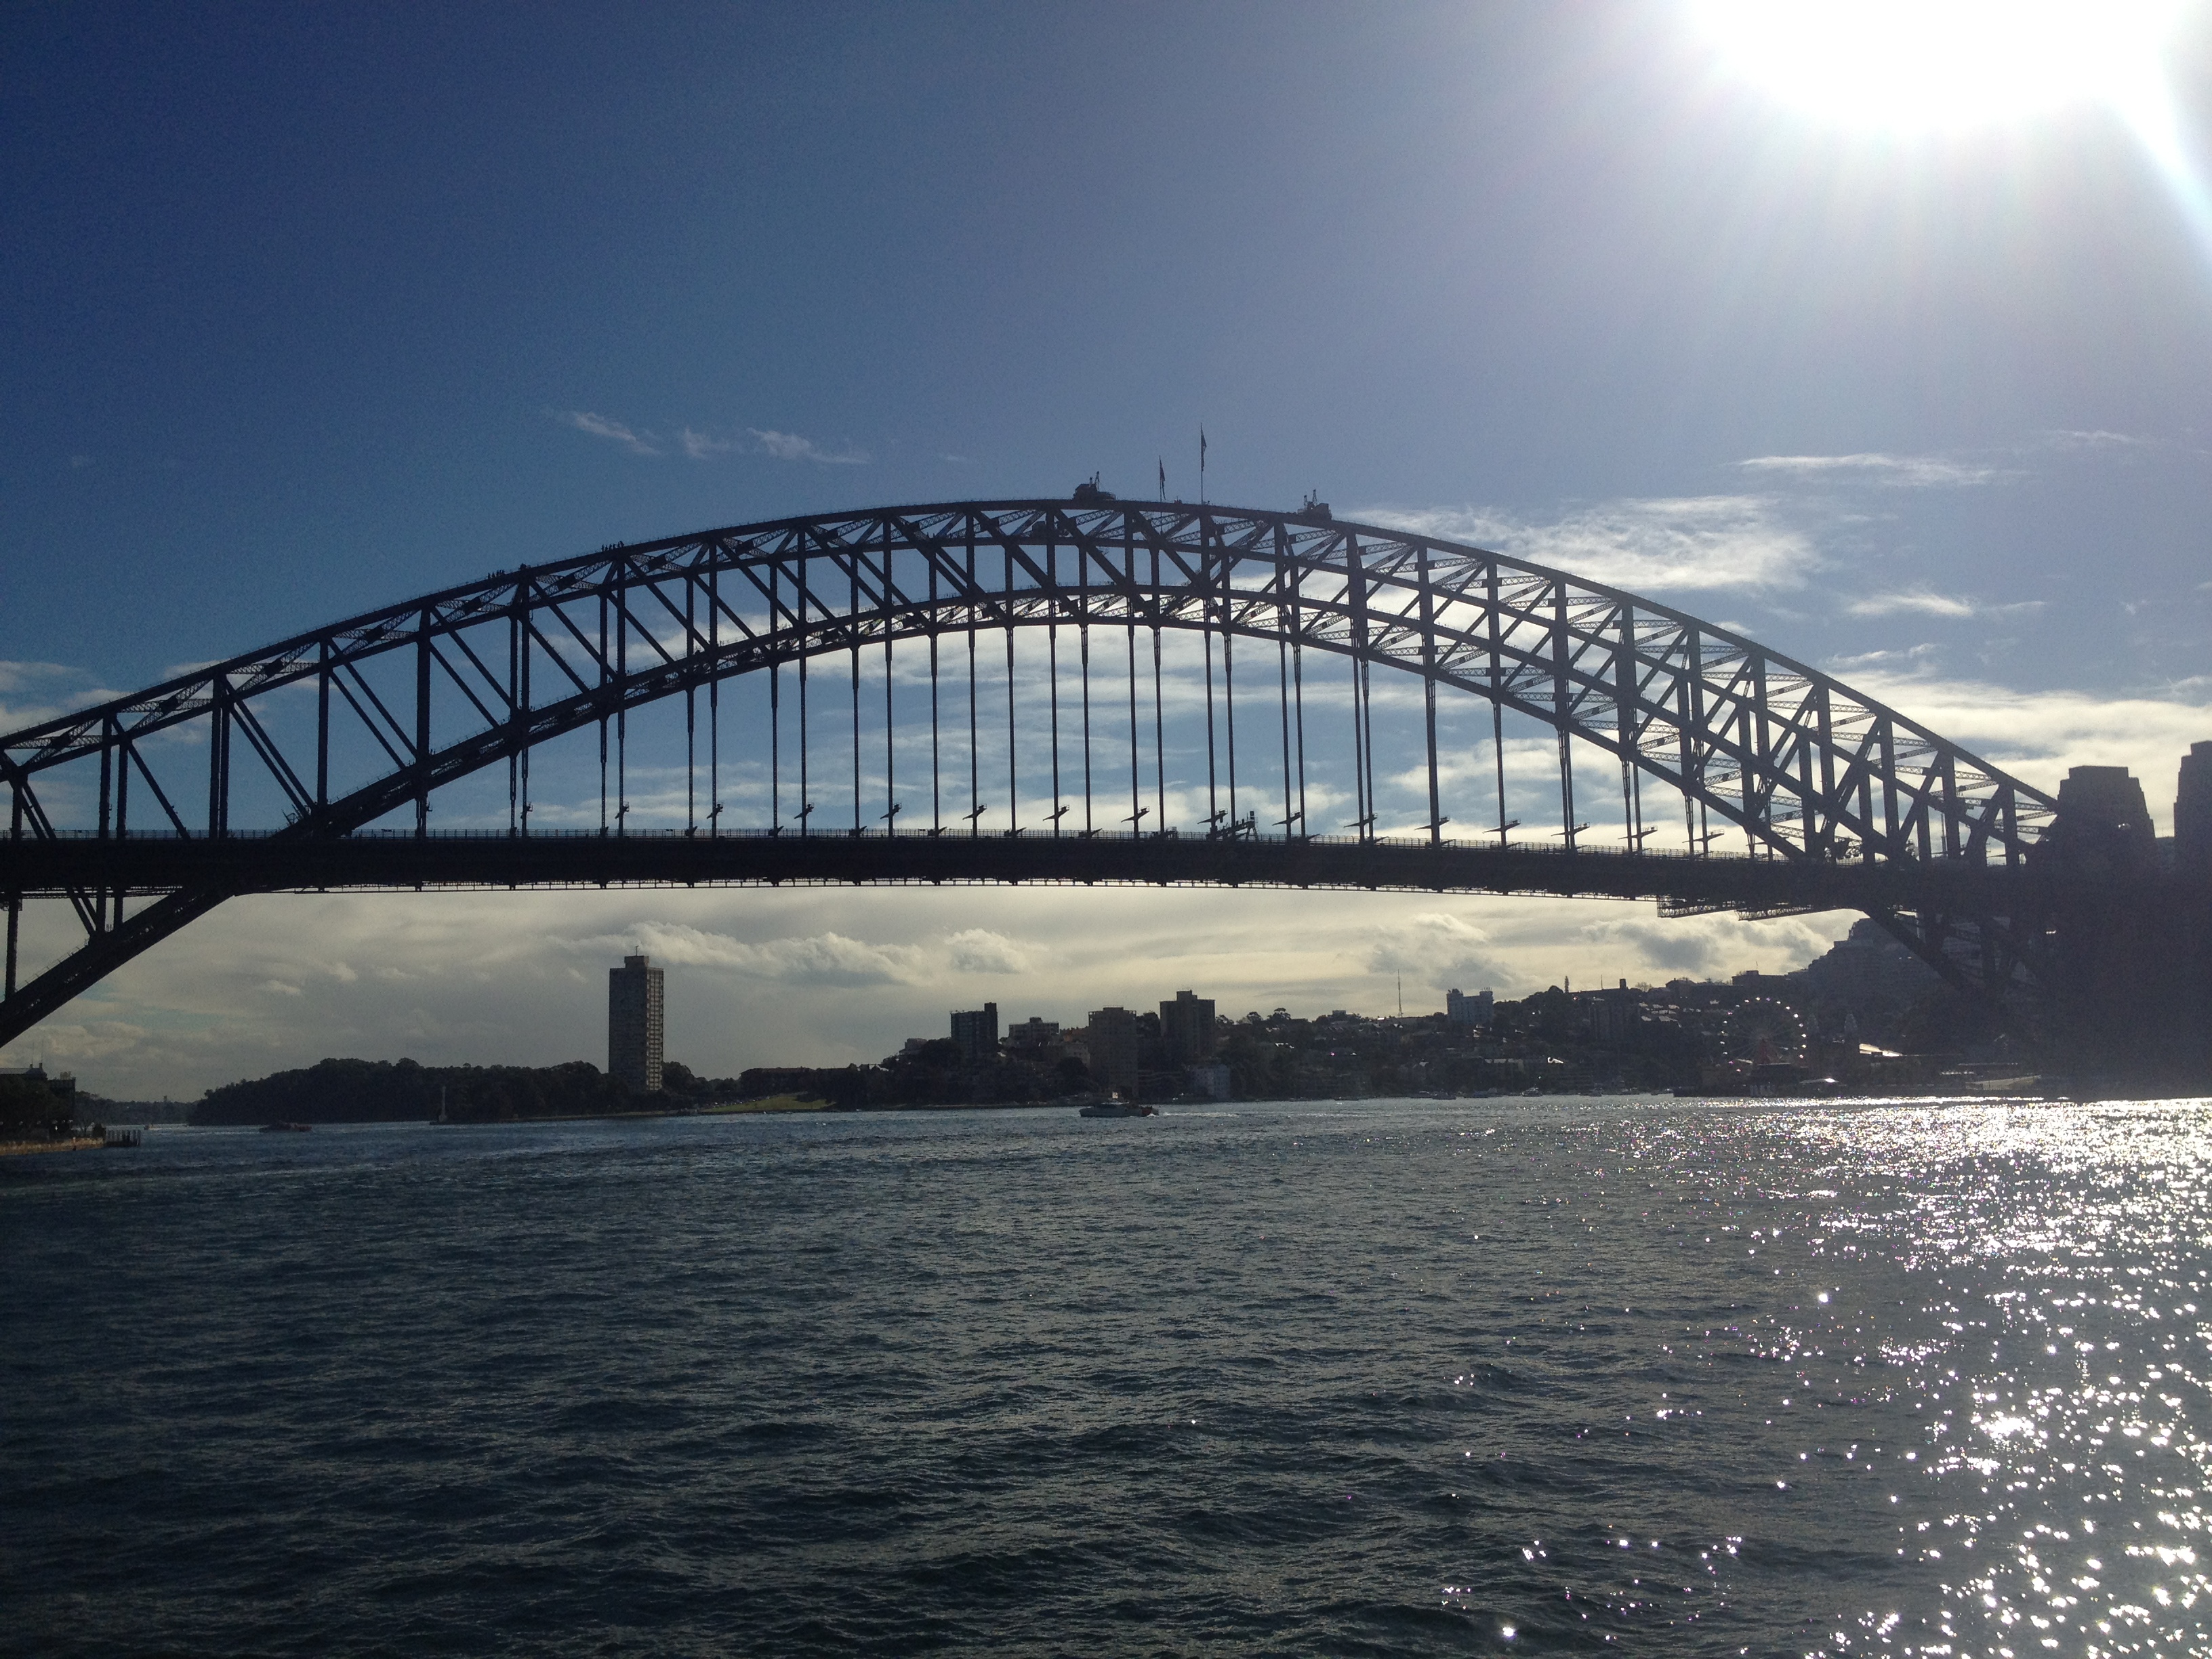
2127, 992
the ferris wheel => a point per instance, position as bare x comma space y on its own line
1766, 1032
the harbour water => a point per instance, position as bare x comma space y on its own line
1389, 1377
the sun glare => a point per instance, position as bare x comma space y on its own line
1932, 64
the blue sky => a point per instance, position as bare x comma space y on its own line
311, 308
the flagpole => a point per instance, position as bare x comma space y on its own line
1201, 464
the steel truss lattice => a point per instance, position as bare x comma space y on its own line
1808, 771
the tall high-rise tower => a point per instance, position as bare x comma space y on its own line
633, 1024
1115, 1043
976, 1033
1186, 1030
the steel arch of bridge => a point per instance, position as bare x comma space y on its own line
1814, 773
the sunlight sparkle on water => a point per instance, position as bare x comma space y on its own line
1959, 1404
2057, 1249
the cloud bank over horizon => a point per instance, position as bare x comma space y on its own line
774, 976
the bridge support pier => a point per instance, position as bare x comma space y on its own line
2128, 997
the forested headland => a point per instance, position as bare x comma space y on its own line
400, 1091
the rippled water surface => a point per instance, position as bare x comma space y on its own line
1398, 1377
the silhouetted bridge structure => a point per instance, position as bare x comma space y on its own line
1090, 690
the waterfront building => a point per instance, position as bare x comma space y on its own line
1211, 1081
1614, 1016
30, 1099
1034, 1038
1187, 1030
633, 1024
1114, 1040
1468, 1012
976, 1034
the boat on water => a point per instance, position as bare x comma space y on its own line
286, 1129
1114, 1106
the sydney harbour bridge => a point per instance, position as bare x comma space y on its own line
1091, 691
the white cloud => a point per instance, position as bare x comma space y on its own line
1907, 472
825, 958
2039, 735
1443, 951
979, 950
790, 446
1698, 542
1919, 601
700, 446
21, 676
1925, 602
614, 431
2098, 439
1904, 660
34, 692
782, 445
1711, 947
1671, 947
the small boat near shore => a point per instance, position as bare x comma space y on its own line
286, 1129
1114, 1106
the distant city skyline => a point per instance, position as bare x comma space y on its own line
1866, 1016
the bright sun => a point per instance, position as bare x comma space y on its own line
1923, 64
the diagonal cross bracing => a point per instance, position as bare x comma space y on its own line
1803, 767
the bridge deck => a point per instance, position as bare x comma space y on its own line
278, 863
